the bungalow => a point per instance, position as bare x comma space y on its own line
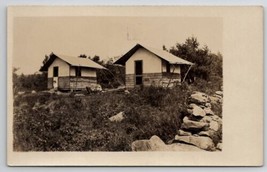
70, 73
148, 66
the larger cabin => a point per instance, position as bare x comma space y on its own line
145, 66
70, 73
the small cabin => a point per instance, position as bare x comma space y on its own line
70, 73
145, 66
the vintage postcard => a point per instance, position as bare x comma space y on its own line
135, 86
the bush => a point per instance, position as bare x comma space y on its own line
26, 83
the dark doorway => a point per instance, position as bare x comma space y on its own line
55, 71
138, 72
78, 71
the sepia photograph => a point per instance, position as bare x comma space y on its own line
116, 83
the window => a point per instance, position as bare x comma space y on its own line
78, 71
55, 71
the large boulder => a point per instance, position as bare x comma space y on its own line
199, 98
202, 142
141, 145
153, 144
193, 125
195, 110
156, 144
215, 99
215, 122
117, 118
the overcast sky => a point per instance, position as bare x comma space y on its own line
34, 37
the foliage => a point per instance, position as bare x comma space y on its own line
50, 122
31, 82
206, 64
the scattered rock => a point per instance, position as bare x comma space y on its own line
218, 96
183, 133
21, 92
208, 105
199, 98
219, 146
196, 110
33, 92
214, 100
214, 125
208, 111
117, 118
204, 133
192, 125
79, 95
202, 142
219, 93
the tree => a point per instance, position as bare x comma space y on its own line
82, 56
96, 58
206, 64
164, 48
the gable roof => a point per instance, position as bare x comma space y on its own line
73, 61
172, 59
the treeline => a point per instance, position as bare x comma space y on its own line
30, 82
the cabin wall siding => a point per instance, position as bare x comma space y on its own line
173, 68
86, 72
63, 68
151, 63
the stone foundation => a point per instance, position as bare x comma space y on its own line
156, 79
72, 83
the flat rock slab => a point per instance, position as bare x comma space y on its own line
195, 110
202, 142
193, 125
156, 144
199, 98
